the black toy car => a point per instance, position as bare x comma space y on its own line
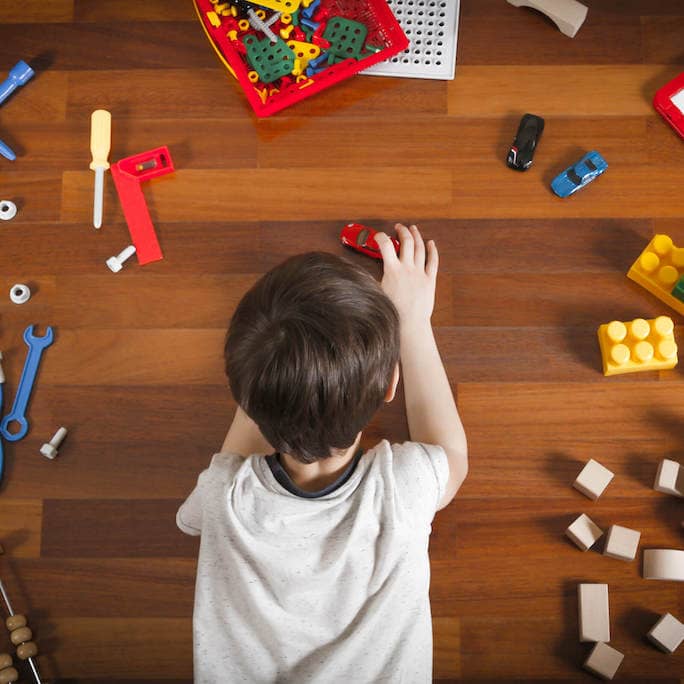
522, 150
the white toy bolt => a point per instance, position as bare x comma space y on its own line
49, 449
8, 210
116, 263
20, 293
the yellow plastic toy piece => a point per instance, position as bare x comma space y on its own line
285, 19
285, 32
232, 34
263, 94
304, 52
221, 8
253, 76
261, 14
658, 269
243, 24
304, 81
214, 19
637, 345
297, 68
288, 6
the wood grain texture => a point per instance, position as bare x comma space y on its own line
92, 553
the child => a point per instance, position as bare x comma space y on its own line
313, 563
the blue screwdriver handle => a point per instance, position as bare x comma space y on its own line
6, 151
19, 74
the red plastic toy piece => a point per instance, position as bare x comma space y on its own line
128, 174
669, 103
362, 239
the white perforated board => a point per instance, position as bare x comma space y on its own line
432, 29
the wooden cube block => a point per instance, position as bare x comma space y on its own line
593, 479
664, 564
603, 661
594, 618
622, 543
667, 633
584, 532
669, 478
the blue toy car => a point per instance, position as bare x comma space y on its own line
578, 175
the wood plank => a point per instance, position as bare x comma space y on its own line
36, 11
133, 10
20, 523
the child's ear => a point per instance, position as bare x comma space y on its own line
392, 389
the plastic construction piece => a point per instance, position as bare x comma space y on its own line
669, 103
20, 293
664, 564
115, 263
669, 478
622, 543
667, 634
2, 453
49, 449
128, 174
638, 345
432, 29
288, 6
36, 345
270, 60
346, 37
18, 75
567, 15
100, 142
594, 618
593, 479
8, 210
584, 532
603, 661
658, 270
6, 151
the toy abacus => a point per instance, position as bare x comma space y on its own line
20, 636
283, 51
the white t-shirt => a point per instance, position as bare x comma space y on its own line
330, 589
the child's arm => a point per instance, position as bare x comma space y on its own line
244, 437
409, 281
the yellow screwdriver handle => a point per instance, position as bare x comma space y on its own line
100, 138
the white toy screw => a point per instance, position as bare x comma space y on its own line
116, 263
20, 293
49, 450
8, 210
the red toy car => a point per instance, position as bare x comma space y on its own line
362, 239
669, 103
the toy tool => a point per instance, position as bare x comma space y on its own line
128, 174
36, 345
20, 635
100, 141
18, 75
2, 386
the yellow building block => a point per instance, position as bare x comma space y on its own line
637, 345
658, 269
288, 6
214, 19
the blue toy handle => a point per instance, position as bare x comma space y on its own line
19, 74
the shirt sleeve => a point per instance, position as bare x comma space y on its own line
189, 515
421, 473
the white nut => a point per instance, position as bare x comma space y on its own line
8, 210
20, 293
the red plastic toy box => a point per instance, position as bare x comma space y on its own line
319, 43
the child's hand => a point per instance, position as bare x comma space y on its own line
409, 280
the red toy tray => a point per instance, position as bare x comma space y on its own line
385, 38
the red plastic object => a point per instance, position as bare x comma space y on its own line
384, 32
128, 174
362, 239
666, 107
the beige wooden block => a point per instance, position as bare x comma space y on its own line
584, 532
667, 633
603, 661
593, 479
664, 564
568, 15
594, 617
622, 543
669, 478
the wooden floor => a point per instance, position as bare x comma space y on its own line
92, 551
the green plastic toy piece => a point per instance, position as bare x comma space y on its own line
678, 290
269, 60
346, 37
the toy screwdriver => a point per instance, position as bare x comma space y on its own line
19, 74
100, 140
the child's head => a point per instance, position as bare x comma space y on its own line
310, 354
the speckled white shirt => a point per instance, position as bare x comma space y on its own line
332, 589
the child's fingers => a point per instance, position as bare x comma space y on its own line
389, 255
419, 247
432, 265
406, 241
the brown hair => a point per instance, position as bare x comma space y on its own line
310, 353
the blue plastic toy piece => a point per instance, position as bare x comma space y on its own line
19, 74
580, 174
6, 151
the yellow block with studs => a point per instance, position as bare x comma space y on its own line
638, 345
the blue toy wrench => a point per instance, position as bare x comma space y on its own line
28, 376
